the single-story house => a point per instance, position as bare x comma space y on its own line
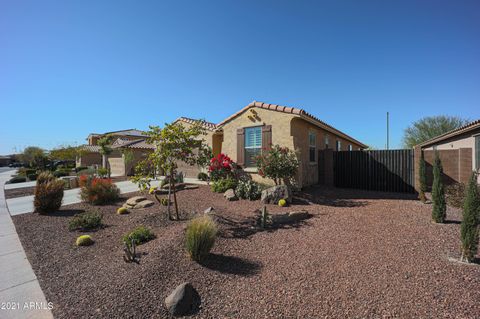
257, 126
459, 151
131, 139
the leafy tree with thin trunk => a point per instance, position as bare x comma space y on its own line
430, 127
128, 157
423, 178
439, 211
471, 220
173, 143
34, 156
105, 149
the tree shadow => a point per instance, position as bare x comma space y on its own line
451, 221
232, 265
309, 199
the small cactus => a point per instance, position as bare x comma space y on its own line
264, 217
130, 251
152, 190
282, 203
84, 240
164, 201
122, 211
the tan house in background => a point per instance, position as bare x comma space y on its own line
131, 139
258, 125
459, 151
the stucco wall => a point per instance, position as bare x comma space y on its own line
89, 159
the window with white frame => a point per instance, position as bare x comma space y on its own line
339, 145
312, 142
253, 145
327, 142
350, 147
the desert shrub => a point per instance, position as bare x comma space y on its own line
164, 201
200, 237
152, 190
17, 179
80, 168
439, 210
122, 211
455, 194
282, 203
248, 189
85, 221
84, 240
139, 235
202, 176
32, 177
471, 219
102, 172
98, 191
48, 194
278, 163
61, 172
221, 167
222, 185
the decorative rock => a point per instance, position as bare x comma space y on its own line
291, 217
135, 200
209, 210
143, 204
273, 194
298, 215
230, 195
180, 301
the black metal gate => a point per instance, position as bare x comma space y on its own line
387, 170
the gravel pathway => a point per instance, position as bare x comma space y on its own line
362, 254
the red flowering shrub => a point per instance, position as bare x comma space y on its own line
221, 166
98, 191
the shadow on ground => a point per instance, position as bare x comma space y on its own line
232, 265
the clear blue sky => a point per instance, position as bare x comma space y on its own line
68, 68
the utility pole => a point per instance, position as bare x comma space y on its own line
388, 130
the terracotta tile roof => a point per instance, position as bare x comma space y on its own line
463, 129
91, 148
128, 132
136, 144
292, 110
207, 125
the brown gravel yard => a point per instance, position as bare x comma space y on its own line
19, 192
362, 255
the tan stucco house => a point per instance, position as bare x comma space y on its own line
131, 139
259, 125
459, 151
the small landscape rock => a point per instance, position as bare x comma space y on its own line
180, 301
209, 210
230, 195
135, 200
144, 203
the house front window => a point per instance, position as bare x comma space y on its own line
339, 146
253, 145
350, 147
312, 142
326, 141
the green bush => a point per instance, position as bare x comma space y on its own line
98, 191
61, 172
439, 210
17, 179
471, 220
48, 194
32, 177
80, 168
222, 185
248, 189
278, 163
85, 221
200, 237
84, 240
202, 176
139, 235
102, 172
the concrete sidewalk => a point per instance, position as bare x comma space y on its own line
19, 286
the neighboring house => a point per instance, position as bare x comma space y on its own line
459, 151
130, 139
257, 126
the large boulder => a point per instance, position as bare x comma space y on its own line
230, 195
273, 194
181, 301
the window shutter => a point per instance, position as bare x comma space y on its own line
266, 137
241, 146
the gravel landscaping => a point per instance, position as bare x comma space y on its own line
362, 254
19, 192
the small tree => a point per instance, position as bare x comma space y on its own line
105, 149
66, 153
439, 211
471, 220
34, 156
128, 157
173, 143
423, 178
278, 163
